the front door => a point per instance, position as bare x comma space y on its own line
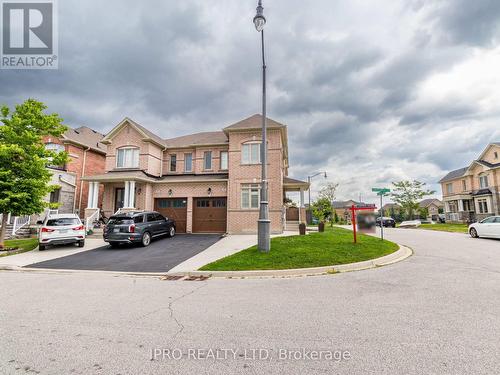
292, 214
119, 198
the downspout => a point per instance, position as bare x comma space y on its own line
81, 181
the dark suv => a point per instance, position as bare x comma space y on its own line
387, 222
137, 227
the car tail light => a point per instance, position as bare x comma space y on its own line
80, 227
48, 230
131, 228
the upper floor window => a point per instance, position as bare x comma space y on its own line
188, 162
250, 194
496, 155
223, 160
173, 163
207, 160
464, 185
127, 157
56, 147
250, 153
483, 181
449, 188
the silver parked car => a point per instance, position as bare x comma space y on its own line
137, 227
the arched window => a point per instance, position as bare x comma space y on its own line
127, 157
250, 152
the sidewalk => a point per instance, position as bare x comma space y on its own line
227, 246
35, 256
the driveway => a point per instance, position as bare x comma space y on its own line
435, 313
161, 256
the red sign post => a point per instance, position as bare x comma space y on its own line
353, 218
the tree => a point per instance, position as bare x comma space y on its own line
322, 209
24, 178
329, 191
407, 194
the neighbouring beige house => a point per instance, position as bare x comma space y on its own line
433, 206
472, 193
207, 182
343, 208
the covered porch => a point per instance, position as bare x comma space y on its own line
294, 215
459, 209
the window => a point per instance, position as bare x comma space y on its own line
489, 220
223, 160
483, 206
54, 147
449, 188
464, 185
159, 217
150, 217
188, 162
59, 222
467, 205
496, 155
139, 219
250, 194
250, 153
179, 203
173, 162
219, 203
483, 181
54, 195
207, 160
202, 203
127, 158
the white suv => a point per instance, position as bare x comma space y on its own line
61, 229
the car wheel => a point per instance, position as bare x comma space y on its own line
41, 247
171, 232
146, 239
473, 233
81, 243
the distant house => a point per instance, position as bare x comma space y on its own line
433, 206
392, 209
342, 208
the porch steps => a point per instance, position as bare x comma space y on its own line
292, 226
24, 232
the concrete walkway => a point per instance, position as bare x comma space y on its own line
227, 246
36, 256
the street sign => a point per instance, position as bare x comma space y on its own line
381, 191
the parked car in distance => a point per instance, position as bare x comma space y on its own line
386, 221
61, 229
137, 227
442, 218
489, 227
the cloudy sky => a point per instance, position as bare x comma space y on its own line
372, 91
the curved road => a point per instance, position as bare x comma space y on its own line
437, 312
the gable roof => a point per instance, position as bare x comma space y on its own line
454, 174
147, 135
254, 122
427, 202
197, 139
349, 203
87, 137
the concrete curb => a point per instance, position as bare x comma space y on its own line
399, 255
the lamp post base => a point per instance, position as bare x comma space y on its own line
264, 234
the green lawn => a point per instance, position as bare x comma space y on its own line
24, 244
332, 247
460, 228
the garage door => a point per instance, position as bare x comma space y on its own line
173, 208
209, 215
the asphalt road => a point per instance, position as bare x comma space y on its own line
435, 313
161, 255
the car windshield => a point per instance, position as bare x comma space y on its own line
120, 220
63, 221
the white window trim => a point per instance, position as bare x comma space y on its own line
250, 186
250, 161
190, 164
449, 188
481, 179
124, 160
227, 161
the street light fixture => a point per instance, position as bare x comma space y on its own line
309, 178
264, 223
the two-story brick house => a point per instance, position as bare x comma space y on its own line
87, 156
472, 192
207, 182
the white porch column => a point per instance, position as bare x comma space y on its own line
126, 195
131, 200
95, 198
460, 205
301, 198
90, 196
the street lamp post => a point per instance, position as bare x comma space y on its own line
264, 223
309, 178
